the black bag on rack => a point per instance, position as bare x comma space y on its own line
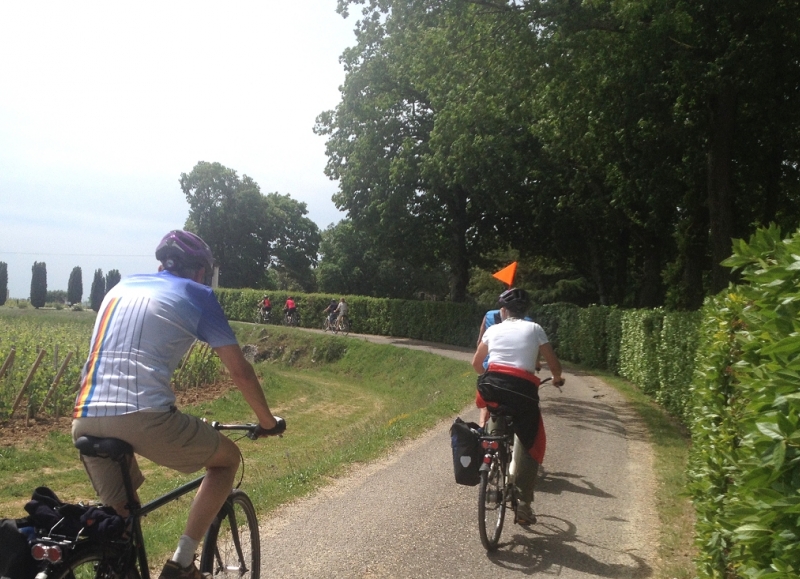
16, 561
467, 453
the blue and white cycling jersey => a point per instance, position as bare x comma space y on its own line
145, 326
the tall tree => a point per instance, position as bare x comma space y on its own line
351, 263
75, 286
3, 282
421, 143
112, 279
38, 284
98, 290
248, 231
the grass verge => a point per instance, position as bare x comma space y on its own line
670, 442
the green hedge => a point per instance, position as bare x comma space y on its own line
443, 322
745, 463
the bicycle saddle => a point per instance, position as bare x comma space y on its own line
103, 447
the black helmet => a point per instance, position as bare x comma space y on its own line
515, 299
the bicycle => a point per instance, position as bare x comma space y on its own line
261, 316
291, 319
496, 490
343, 325
327, 324
231, 546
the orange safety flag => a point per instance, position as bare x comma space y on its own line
506, 275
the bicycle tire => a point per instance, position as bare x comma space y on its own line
95, 561
492, 504
345, 327
232, 545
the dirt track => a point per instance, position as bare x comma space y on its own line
404, 516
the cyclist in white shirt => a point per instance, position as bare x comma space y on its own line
513, 349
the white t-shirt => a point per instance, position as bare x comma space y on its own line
515, 343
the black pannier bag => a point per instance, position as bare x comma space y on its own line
467, 453
16, 561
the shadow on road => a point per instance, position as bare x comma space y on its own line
553, 544
557, 483
592, 416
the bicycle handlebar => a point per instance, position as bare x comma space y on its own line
254, 431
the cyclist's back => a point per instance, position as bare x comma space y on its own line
512, 348
144, 328
146, 324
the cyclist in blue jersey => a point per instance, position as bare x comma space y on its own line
146, 324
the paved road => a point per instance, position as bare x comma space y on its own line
404, 516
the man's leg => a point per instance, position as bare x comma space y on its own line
220, 473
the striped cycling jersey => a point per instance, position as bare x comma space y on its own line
145, 326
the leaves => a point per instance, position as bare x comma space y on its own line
747, 442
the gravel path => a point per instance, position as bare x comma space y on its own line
404, 516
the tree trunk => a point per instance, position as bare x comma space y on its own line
720, 196
621, 280
651, 288
597, 271
459, 260
695, 260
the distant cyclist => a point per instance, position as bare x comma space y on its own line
331, 311
513, 347
266, 306
146, 324
341, 310
289, 308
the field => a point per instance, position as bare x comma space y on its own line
52, 343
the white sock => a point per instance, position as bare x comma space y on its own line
184, 554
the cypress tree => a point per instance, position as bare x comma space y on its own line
98, 290
75, 286
38, 284
112, 279
3, 282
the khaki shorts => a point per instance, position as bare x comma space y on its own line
172, 439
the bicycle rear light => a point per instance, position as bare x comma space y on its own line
490, 444
50, 553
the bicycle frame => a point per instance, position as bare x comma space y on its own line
132, 547
137, 538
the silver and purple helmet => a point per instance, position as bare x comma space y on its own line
184, 249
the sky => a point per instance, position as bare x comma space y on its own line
104, 104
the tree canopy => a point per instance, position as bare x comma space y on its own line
627, 141
248, 231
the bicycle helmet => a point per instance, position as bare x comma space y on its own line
514, 299
179, 249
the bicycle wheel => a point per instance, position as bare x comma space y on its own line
345, 326
232, 547
491, 503
95, 562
